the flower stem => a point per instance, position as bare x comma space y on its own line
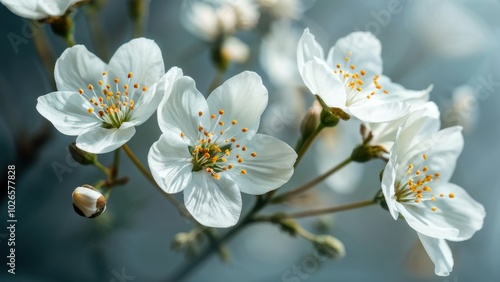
96, 32
303, 146
44, 52
331, 209
312, 183
148, 175
103, 168
138, 12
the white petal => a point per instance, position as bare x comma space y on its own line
102, 140
155, 96
388, 181
307, 49
213, 203
439, 252
76, 68
140, 56
271, 168
398, 93
169, 163
180, 112
420, 219
365, 53
460, 212
67, 111
417, 126
379, 112
321, 80
36, 9
243, 98
442, 149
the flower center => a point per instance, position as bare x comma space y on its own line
357, 88
112, 106
215, 155
416, 186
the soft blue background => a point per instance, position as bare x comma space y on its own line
134, 235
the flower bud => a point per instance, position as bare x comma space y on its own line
80, 156
364, 153
329, 246
311, 120
88, 202
181, 240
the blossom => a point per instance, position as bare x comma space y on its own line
212, 20
38, 9
350, 77
415, 185
210, 149
282, 9
101, 103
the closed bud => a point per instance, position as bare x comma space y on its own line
329, 246
181, 240
364, 153
80, 156
88, 202
311, 120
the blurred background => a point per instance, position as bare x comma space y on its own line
450, 44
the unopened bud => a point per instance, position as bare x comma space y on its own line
80, 156
364, 153
181, 240
88, 202
289, 226
328, 117
311, 120
329, 246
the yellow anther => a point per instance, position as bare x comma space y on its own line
338, 66
451, 195
130, 74
244, 129
90, 87
116, 80
233, 139
221, 123
243, 171
212, 116
441, 195
90, 110
253, 154
221, 112
144, 89
237, 156
386, 92
230, 166
234, 122
424, 169
136, 86
240, 160
427, 189
100, 82
80, 91
182, 135
362, 72
200, 114
346, 59
244, 148
227, 152
434, 209
223, 160
104, 73
424, 156
216, 176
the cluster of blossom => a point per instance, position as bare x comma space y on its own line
210, 148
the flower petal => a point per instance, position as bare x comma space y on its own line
67, 111
307, 49
213, 203
271, 167
169, 162
456, 209
379, 112
180, 113
398, 93
140, 56
439, 252
321, 80
36, 10
420, 219
362, 49
388, 181
442, 150
242, 98
155, 96
101, 140
76, 68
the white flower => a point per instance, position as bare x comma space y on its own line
415, 186
235, 50
214, 19
462, 109
103, 103
38, 9
210, 149
350, 77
